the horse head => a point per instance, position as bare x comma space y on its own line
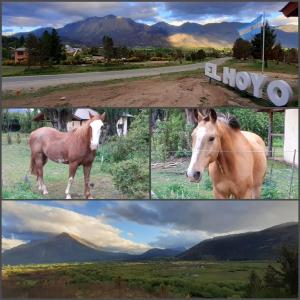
205, 144
96, 124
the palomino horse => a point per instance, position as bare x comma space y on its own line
74, 148
236, 159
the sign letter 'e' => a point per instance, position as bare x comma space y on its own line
279, 92
243, 81
211, 71
229, 76
258, 82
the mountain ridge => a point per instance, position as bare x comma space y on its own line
64, 247
127, 32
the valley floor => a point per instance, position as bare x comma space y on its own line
131, 279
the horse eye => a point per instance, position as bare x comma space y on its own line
212, 138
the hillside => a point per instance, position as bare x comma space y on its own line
260, 245
126, 32
70, 248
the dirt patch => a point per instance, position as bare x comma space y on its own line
153, 92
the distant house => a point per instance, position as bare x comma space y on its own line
21, 55
80, 116
72, 51
123, 124
291, 135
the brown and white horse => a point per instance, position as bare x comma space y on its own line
236, 159
75, 148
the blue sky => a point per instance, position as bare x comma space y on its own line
26, 16
136, 226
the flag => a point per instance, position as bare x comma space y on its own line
249, 31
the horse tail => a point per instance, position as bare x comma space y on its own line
32, 166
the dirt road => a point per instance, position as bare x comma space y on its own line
39, 81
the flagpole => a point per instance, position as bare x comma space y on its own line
263, 45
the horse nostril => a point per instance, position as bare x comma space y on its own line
197, 175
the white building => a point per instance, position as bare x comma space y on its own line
291, 134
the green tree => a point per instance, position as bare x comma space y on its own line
108, 47
45, 49
270, 40
179, 55
56, 47
241, 49
22, 41
33, 47
278, 53
254, 286
291, 56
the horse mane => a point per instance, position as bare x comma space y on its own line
229, 120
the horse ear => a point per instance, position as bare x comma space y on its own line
90, 115
198, 115
213, 115
102, 117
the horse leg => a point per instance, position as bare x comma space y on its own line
40, 161
256, 191
87, 171
219, 194
247, 194
72, 172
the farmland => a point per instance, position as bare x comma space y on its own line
131, 280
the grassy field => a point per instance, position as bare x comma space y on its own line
131, 280
18, 183
171, 183
67, 69
255, 65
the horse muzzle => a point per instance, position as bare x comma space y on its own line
194, 176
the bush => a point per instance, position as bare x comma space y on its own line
132, 177
126, 157
172, 137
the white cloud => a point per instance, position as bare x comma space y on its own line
11, 243
44, 220
282, 20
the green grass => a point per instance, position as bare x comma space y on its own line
255, 65
129, 279
171, 183
18, 183
68, 69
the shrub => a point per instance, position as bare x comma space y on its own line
132, 177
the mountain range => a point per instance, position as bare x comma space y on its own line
260, 245
126, 32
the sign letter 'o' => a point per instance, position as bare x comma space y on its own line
242, 80
279, 92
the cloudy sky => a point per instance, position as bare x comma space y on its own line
26, 16
134, 226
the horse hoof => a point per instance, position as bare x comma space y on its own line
45, 193
90, 197
68, 197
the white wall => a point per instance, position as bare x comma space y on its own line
291, 135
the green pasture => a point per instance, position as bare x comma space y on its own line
132, 280
255, 65
171, 182
18, 183
19, 70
